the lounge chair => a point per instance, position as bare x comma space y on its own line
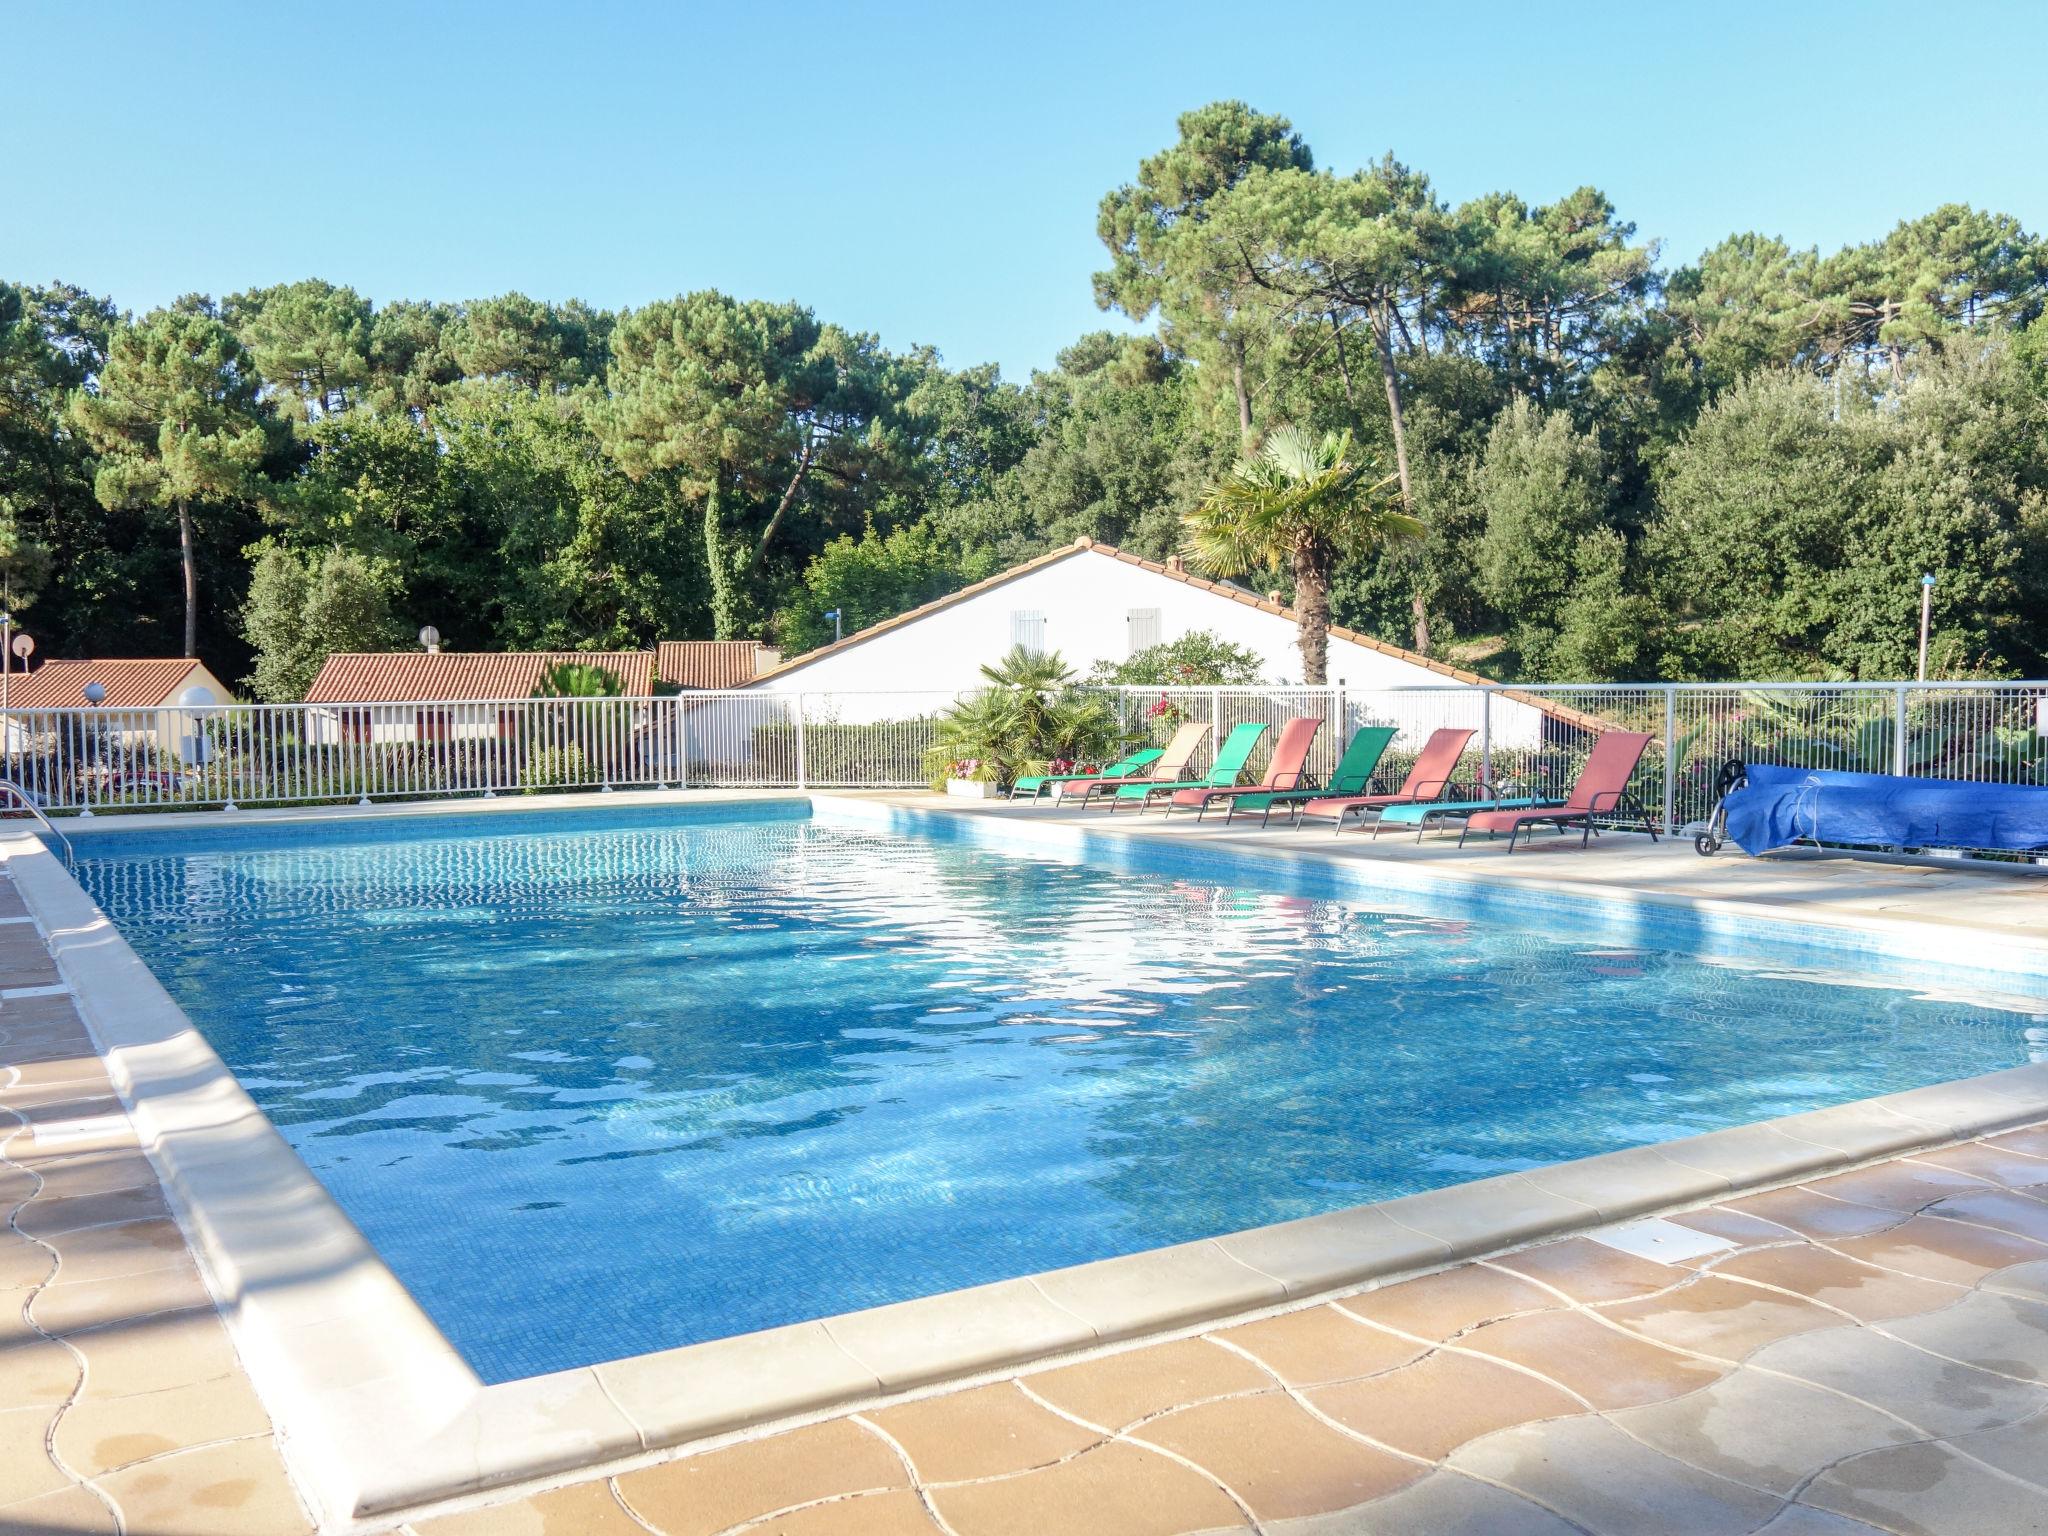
1428, 779
1231, 757
1420, 814
1170, 766
1288, 769
1352, 776
1132, 762
1602, 790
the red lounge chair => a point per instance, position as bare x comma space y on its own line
1169, 768
1601, 790
1287, 770
1429, 779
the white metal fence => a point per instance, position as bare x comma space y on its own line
1536, 735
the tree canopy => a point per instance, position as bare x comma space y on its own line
1739, 462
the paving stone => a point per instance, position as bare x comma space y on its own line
126, 1248
1430, 1408
584, 1509
26, 1470
865, 1514
239, 1489
1280, 1460
2001, 1165
2032, 1141
72, 1307
2020, 1215
24, 1263
2020, 1448
1804, 1520
1737, 1227
1437, 1306
1938, 1397
1318, 1345
699, 1495
36, 1372
1815, 1215
983, 1432
1863, 1291
1761, 1429
1121, 1389
1721, 1317
1995, 1333
1605, 1366
2026, 1280
92, 1173
1443, 1503
49, 1217
1934, 1249
154, 1354
1591, 1473
97, 1435
1901, 1185
1929, 1490
1587, 1271
73, 1512
1117, 1489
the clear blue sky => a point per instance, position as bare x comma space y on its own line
931, 172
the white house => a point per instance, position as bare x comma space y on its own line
1091, 603
156, 700
427, 696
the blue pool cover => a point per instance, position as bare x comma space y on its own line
1781, 806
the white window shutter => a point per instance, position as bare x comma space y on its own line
1027, 629
1145, 629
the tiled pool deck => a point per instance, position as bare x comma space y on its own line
1865, 1350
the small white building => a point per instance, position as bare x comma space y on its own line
430, 696
1092, 603
156, 700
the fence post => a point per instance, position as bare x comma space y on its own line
1485, 741
682, 720
797, 704
1670, 760
1899, 731
1215, 718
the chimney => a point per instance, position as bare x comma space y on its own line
766, 659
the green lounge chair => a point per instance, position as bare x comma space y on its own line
1231, 757
1171, 767
1122, 768
1351, 776
1422, 812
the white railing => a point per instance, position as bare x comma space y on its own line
88, 760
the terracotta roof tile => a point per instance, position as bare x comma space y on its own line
400, 677
706, 663
131, 684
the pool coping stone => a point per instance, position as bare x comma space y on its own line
380, 1415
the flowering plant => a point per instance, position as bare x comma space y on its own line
1166, 712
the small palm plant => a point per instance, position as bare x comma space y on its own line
1299, 504
1028, 718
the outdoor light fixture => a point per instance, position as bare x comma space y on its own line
430, 637
1926, 608
95, 693
833, 615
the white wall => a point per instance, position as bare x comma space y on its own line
1087, 601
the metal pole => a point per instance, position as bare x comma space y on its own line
1926, 610
797, 704
1486, 740
1899, 730
1670, 761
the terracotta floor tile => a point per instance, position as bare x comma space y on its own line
1430, 1408
1278, 1458
2001, 1165
585, 1509
865, 1514
1114, 1490
2018, 1214
1122, 1389
1738, 1227
24, 1264
1721, 1317
702, 1494
35, 1372
2033, 1141
224, 1490
984, 1432
1607, 1368
1934, 1249
1928, 1488
1814, 1215
26, 1470
69, 1308
46, 1217
101, 1434
1438, 1306
1897, 1185
1318, 1345
1836, 1280
1588, 1271
93, 1173
73, 1512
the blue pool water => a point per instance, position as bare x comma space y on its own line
600, 1084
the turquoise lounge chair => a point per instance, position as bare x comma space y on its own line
1231, 757
1122, 768
1351, 776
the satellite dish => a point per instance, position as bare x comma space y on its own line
198, 696
23, 645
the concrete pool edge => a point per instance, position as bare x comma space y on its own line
380, 1415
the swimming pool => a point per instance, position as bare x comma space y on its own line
596, 1083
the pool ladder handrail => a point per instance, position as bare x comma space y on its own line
22, 798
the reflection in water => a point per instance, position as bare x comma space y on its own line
597, 1092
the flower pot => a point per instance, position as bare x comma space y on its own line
970, 789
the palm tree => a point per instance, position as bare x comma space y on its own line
1029, 715
1299, 504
